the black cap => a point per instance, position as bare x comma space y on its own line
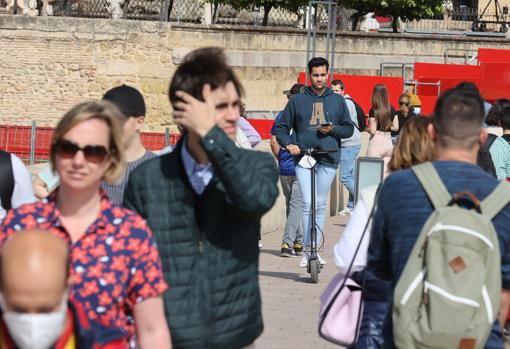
128, 99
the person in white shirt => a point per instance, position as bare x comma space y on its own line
21, 191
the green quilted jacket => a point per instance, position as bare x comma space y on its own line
208, 243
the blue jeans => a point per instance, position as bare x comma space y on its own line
348, 157
323, 179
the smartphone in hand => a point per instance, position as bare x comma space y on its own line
325, 124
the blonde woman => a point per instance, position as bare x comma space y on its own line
115, 267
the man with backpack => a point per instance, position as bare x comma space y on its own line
15, 183
350, 147
440, 235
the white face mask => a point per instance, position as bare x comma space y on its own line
36, 331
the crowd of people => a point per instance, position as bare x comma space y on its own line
124, 248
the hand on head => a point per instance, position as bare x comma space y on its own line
193, 114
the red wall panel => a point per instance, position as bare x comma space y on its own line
492, 55
360, 87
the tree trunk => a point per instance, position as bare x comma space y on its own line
355, 20
170, 6
394, 24
215, 12
267, 9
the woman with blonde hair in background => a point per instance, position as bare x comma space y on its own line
414, 146
115, 266
382, 119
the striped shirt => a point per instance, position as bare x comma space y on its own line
115, 192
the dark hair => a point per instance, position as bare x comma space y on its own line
381, 107
504, 117
203, 66
317, 62
495, 112
297, 88
468, 86
459, 115
128, 99
338, 83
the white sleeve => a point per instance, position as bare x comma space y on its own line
345, 248
23, 193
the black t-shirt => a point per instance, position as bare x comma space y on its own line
402, 121
506, 138
371, 115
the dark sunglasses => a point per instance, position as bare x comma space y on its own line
93, 153
405, 103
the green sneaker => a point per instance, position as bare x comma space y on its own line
298, 248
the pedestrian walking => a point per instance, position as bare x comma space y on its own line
292, 241
318, 118
115, 265
204, 202
382, 120
404, 207
349, 148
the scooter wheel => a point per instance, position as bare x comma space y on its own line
314, 270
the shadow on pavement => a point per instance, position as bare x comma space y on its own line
285, 275
273, 252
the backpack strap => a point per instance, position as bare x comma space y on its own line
497, 200
432, 184
7, 183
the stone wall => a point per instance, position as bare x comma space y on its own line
48, 64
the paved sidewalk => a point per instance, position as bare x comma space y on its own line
290, 303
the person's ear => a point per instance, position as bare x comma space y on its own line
484, 134
140, 122
432, 132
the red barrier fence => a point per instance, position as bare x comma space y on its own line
18, 139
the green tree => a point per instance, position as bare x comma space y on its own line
267, 5
403, 9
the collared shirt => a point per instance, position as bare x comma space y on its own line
199, 175
114, 265
500, 153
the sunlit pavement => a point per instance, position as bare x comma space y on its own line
290, 302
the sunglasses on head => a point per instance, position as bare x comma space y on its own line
92, 153
404, 103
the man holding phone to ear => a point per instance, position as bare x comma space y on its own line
318, 118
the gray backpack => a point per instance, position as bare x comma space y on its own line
448, 294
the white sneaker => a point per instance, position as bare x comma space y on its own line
345, 212
260, 243
321, 261
304, 262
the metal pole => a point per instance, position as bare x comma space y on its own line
308, 38
314, 31
32, 143
328, 32
333, 37
167, 136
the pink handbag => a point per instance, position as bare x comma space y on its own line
342, 305
341, 311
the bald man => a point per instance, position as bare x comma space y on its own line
34, 279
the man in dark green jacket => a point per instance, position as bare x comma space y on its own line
204, 202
